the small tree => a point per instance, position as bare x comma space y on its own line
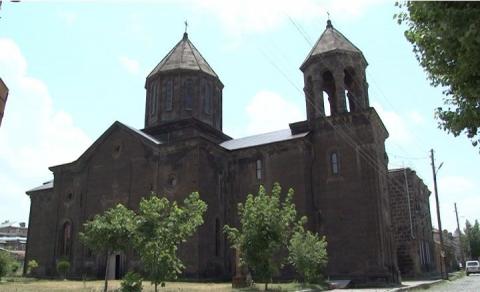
31, 266
63, 266
132, 282
472, 233
109, 233
308, 254
266, 224
161, 226
5, 263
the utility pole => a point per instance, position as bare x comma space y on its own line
460, 238
442, 248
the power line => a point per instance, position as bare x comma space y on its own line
372, 161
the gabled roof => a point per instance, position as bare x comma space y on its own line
262, 139
331, 40
183, 56
147, 139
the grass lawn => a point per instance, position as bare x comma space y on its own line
31, 285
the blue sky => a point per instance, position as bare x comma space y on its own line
75, 67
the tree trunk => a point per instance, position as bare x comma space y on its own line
105, 287
266, 286
156, 287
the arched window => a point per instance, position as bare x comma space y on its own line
66, 238
329, 88
334, 163
168, 94
217, 237
207, 98
350, 89
188, 94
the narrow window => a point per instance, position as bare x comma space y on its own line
188, 94
259, 169
334, 162
153, 98
207, 105
66, 240
168, 94
217, 237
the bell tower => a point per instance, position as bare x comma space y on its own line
334, 71
183, 91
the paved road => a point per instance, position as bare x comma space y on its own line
465, 284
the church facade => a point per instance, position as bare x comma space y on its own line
336, 164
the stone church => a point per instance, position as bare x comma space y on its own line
336, 164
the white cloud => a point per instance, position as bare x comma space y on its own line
131, 65
455, 189
68, 17
455, 185
33, 135
396, 126
416, 118
267, 111
239, 17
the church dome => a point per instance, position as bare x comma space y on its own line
184, 56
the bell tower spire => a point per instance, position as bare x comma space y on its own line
334, 70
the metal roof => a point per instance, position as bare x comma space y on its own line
45, 186
262, 139
183, 56
143, 134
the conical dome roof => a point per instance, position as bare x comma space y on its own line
184, 56
331, 40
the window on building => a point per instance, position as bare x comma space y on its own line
67, 238
259, 169
153, 98
207, 104
334, 162
188, 94
168, 94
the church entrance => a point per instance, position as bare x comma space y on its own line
115, 267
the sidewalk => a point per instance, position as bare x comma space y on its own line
406, 285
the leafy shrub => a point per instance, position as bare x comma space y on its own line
308, 254
62, 267
5, 263
132, 282
31, 266
14, 267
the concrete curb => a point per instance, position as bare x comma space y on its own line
419, 286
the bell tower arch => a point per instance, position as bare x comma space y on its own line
334, 71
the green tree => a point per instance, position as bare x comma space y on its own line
161, 226
132, 282
109, 233
445, 38
308, 254
63, 266
6, 261
31, 266
472, 234
266, 225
